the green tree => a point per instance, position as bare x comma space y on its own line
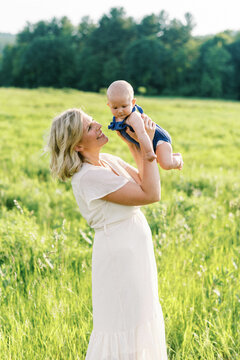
216, 70
157, 53
6, 65
144, 61
187, 75
176, 37
150, 25
85, 29
234, 50
48, 61
112, 70
103, 48
89, 70
6, 39
55, 27
44, 55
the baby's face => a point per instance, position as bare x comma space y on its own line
121, 106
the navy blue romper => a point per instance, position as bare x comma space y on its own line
160, 133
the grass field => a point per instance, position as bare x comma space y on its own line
45, 245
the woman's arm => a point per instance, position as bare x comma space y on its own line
136, 152
133, 172
134, 149
135, 194
136, 122
148, 190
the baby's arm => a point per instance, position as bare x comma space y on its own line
166, 159
137, 124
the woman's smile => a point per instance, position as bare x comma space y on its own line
101, 134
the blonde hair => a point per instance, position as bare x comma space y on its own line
66, 132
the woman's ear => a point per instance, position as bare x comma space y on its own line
78, 148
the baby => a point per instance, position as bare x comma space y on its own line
122, 103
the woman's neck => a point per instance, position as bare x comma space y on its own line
92, 158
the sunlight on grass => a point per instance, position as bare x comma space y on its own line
45, 244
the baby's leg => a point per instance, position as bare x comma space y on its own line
165, 157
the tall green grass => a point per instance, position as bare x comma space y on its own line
45, 244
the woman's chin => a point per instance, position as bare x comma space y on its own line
103, 139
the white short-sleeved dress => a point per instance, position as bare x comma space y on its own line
127, 316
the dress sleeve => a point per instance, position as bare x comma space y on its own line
99, 182
123, 163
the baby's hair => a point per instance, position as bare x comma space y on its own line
66, 132
120, 87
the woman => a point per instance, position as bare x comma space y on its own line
127, 316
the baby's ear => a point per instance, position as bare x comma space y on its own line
133, 101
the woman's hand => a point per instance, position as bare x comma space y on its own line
150, 126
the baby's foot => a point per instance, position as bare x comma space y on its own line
178, 161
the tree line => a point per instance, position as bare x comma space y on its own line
6, 38
158, 56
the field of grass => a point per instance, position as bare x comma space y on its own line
45, 245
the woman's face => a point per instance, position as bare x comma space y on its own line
93, 136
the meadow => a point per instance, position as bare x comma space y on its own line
45, 244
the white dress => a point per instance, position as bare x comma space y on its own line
127, 316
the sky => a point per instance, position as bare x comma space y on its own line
211, 16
